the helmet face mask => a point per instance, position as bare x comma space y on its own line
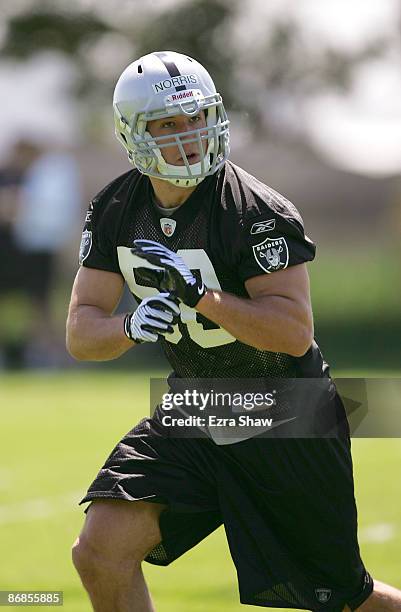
147, 92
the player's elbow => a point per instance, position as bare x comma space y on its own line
295, 341
296, 345
294, 338
302, 341
73, 347
76, 347
73, 341
300, 350
301, 332
76, 354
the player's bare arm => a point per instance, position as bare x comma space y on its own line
92, 332
277, 317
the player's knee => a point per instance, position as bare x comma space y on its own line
96, 565
116, 535
83, 558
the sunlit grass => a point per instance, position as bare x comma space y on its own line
56, 431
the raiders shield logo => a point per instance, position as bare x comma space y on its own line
271, 254
85, 247
323, 595
168, 226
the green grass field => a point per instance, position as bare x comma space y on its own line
56, 431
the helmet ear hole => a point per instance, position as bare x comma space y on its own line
140, 70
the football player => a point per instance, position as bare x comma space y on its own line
217, 261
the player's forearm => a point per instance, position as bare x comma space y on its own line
270, 323
94, 336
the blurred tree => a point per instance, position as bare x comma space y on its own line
257, 75
60, 30
200, 29
290, 69
52, 28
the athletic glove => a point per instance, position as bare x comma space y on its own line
177, 278
154, 317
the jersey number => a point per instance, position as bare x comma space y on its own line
196, 259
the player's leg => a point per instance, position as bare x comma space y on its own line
300, 548
384, 598
116, 537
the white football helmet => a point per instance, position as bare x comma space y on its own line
164, 84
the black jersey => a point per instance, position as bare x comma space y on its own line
231, 228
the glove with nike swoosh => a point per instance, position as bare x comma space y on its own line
178, 278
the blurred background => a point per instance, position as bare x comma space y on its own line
313, 90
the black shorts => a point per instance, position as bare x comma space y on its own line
287, 506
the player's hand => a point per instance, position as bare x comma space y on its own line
154, 317
178, 278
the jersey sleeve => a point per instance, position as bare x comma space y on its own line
272, 241
98, 243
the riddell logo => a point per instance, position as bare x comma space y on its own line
182, 96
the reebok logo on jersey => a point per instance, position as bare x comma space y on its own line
263, 226
88, 217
